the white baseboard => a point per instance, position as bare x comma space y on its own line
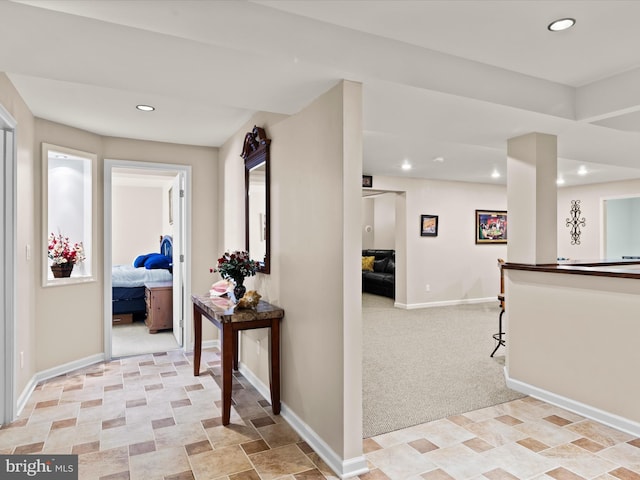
205, 344
344, 468
24, 396
210, 344
607, 418
445, 303
255, 381
54, 372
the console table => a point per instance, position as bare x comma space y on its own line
230, 322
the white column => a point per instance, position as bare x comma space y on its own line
532, 199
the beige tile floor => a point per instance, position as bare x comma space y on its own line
147, 417
522, 439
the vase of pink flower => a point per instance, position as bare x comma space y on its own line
64, 255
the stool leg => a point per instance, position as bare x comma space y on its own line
499, 335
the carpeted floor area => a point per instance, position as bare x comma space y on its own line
423, 365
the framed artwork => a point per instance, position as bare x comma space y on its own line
428, 225
491, 226
367, 181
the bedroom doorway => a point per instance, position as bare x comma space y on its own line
146, 273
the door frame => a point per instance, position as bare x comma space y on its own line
179, 299
603, 218
8, 404
185, 170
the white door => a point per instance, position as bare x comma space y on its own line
177, 200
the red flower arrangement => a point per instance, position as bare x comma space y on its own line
236, 266
61, 250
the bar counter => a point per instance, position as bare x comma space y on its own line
572, 336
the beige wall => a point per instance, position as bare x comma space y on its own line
315, 259
453, 266
27, 230
69, 319
575, 337
384, 225
368, 219
79, 308
351, 362
591, 197
136, 231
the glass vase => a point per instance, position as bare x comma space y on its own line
239, 290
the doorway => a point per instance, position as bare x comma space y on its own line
384, 227
146, 213
621, 232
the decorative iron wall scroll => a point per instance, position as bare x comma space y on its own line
575, 222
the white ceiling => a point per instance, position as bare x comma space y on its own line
451, 79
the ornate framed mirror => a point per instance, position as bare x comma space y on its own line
255, 152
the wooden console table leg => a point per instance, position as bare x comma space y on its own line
236, 342
275, 366
227, 338
197, 332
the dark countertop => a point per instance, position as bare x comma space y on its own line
621, 268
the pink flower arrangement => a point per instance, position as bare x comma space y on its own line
61, 250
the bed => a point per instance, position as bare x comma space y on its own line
127, 281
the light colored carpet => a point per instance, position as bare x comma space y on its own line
423, 365
135, 339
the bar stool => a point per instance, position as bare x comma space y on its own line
499, 337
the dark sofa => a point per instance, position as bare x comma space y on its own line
382, 280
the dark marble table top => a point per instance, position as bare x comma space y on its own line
225, 312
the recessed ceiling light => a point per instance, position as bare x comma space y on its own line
582, 170
495, 174
438, 159
145, 108
561, 24
560, 181
406, 165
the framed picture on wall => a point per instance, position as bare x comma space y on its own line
428, 225
491, 226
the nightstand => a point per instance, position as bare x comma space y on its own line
159, 300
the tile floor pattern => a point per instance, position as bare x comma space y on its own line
148, 417
522, 439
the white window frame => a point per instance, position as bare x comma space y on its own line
89, 224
